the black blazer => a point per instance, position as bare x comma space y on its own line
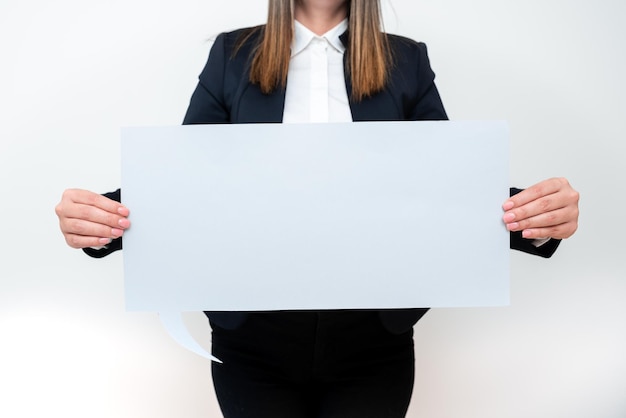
225, 95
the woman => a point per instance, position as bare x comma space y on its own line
332, 65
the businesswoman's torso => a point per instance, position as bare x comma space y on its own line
225, 95
317, 90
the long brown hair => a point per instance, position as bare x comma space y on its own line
369, 56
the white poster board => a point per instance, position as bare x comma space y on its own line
316, 216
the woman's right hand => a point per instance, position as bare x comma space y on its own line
88, 219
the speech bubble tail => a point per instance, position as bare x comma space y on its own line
175, 326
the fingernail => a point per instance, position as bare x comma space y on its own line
508, 205
512, 226
526, 233
123, 210
117, 232
509, 217
105, 241
124, 223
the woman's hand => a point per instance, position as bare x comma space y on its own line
88, 219
548, 209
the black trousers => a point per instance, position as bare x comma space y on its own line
313, 364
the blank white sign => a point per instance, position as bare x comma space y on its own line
316, 216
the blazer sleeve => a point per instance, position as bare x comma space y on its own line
208, 101
428, 104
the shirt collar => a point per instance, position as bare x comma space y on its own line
303, 36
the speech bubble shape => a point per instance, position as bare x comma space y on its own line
316, 216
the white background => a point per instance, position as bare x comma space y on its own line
73, 72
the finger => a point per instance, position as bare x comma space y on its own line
541, 189
544, 220
79, 227
95, 215
89, 198
543, 205
562, 231
79, 241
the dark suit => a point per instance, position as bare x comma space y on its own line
225, 95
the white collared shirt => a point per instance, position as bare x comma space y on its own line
316, 87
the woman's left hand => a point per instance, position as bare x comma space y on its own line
548, 209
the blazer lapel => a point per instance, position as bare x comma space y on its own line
256, 107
